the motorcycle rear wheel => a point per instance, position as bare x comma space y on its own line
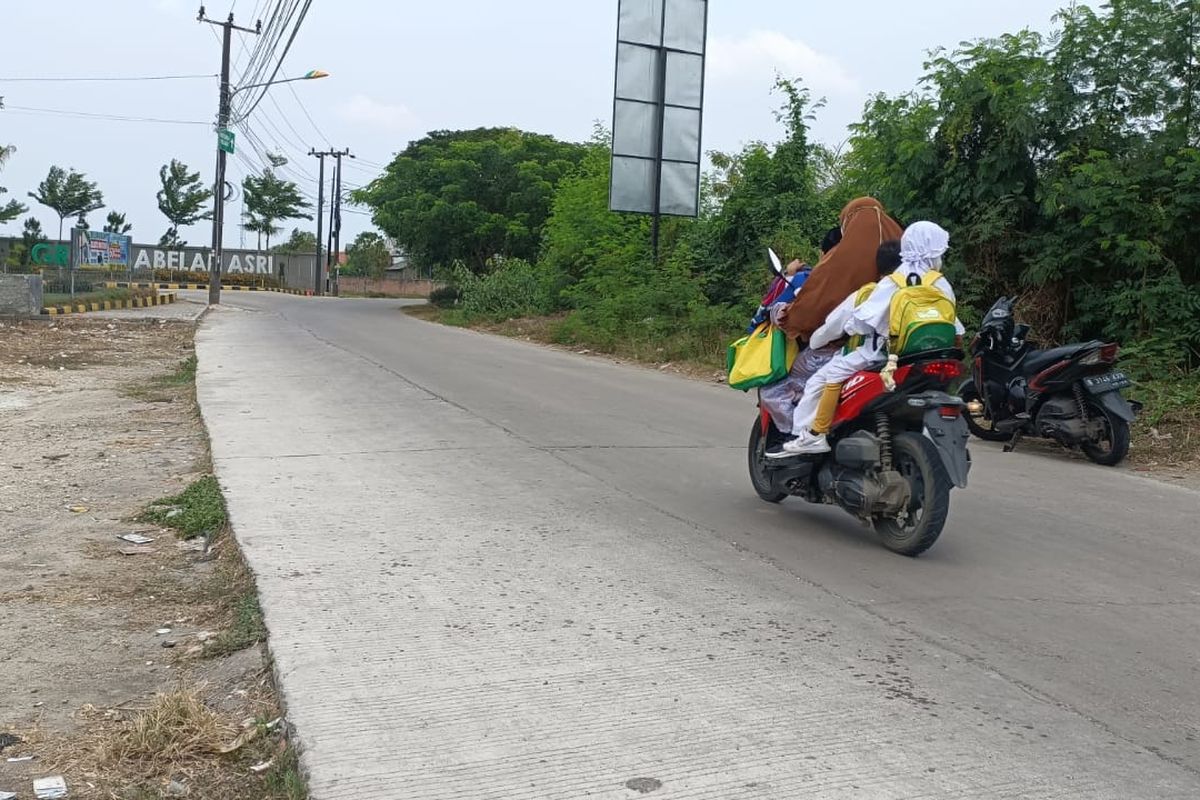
760, 477
916, 458
1117, 431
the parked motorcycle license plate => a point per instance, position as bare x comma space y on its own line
1110, 382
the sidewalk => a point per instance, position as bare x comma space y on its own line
456, 612
182, 309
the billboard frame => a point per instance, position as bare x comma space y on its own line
662, 53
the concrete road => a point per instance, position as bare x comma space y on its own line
494, 570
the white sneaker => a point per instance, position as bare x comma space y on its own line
807, 443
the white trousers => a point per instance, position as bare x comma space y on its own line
839, 369
780, 398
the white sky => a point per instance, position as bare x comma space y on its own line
399, 69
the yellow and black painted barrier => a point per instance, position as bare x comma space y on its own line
224, 287
108, 305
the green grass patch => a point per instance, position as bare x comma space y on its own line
184, 374
165, 388
198, 509
284, 780
697, 342
247, 630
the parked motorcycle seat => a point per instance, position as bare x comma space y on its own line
1038, 360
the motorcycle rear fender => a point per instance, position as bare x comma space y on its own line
949, 437
1115, 404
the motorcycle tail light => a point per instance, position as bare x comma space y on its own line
950, 412
942, 370
1108, 353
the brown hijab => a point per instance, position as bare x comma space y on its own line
865, 226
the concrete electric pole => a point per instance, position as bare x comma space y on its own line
323, 268
224, 147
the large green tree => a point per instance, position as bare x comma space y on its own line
270, 199
368, 255
12, 209
299, 242
1066, 168
68, 193
183, 200
470, 195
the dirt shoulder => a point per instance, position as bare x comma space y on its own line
125, 668
1166, 439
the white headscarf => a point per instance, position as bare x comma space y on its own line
922, 247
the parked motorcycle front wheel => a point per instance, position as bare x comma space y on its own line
760, 477
1112, 449
916, 458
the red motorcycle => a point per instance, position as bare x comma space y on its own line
895, 453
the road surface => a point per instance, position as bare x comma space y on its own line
495, 570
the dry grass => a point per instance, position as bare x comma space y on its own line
178, 735
177, 728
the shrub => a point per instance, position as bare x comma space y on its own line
445, 296
233, 279
514, 288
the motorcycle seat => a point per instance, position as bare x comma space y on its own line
1038, 360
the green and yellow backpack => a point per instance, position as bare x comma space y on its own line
921, 318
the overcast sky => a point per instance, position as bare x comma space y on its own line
399, 69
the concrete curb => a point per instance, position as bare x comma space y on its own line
224, 288
109, 305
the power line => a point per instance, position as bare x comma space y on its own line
108, 117
311, 121
299, 175
265, 46
81, 78
261, 55
279, 63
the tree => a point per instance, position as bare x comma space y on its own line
182, 200
115, 223
31, 236
1065, 168
470, 195
68, 193
368, 255
299, 242
783, 196
270, 199
12, 209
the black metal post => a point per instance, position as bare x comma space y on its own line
320, 218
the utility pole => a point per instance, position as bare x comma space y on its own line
335, 218
320, 217
224, 146
337, 225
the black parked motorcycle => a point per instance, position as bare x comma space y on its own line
1069, 394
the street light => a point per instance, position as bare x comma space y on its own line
311, 75
224, 147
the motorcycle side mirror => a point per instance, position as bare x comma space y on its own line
776, 264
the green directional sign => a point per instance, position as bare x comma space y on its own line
225, 140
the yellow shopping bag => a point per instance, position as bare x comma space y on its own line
760, 358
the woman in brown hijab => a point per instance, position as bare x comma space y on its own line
845, 268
